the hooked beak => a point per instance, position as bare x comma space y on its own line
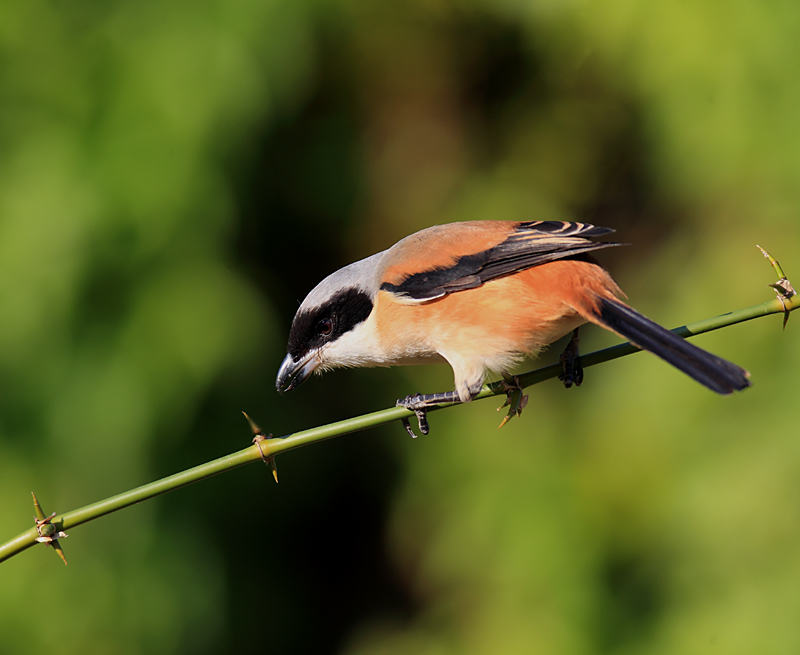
292, 374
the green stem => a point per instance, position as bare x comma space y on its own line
271, 447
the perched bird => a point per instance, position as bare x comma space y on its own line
479, 296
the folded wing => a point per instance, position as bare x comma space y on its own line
497, 249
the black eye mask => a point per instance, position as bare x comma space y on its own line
344, 311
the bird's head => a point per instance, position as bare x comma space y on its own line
327, 329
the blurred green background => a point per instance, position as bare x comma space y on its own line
176, 176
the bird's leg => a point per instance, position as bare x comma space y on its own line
421, 403
570, 361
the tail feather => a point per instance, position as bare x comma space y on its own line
716, 373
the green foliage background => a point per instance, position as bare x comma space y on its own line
175, 176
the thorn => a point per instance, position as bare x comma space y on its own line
57, 547
49, 534
783, 287
515, 399
269, 460
37, 508
256, 430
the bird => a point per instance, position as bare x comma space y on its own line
480, 296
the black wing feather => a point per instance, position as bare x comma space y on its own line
531, 244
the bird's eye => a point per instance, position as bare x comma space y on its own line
325, 327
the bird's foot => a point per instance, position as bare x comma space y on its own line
515, 398
420, 404
570, 361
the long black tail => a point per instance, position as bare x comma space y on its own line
716, 373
